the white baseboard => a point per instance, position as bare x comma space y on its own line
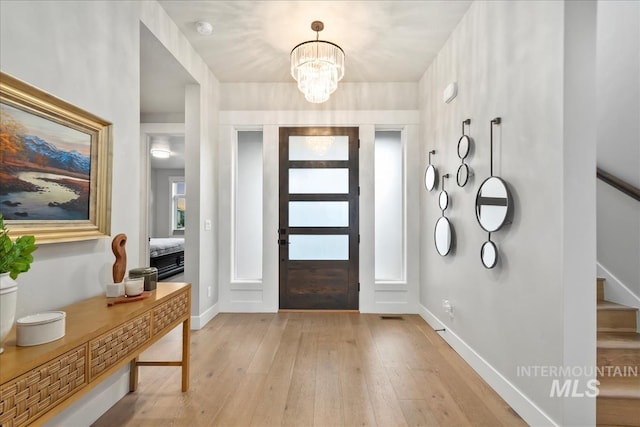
520, 403
198, 322
615, 290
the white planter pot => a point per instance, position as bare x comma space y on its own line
8, 300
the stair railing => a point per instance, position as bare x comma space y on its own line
617, 183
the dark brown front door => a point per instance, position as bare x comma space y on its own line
318, 232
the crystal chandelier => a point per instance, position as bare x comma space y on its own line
317, 66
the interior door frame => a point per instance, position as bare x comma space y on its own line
148, 131
284, 132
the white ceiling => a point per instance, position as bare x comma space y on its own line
384, 41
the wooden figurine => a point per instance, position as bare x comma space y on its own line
119, 250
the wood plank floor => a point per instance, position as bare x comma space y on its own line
312, 369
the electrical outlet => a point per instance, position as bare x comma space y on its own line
207, 225
209, 291
447, 307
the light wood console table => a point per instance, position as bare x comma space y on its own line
38, 382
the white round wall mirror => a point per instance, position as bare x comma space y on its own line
442, 236
464, 144
489, 254
493, 204
443, 200
462, 177
430, 176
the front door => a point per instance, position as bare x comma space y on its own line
318, 232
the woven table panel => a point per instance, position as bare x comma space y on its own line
168, 312
117, 344
30, 395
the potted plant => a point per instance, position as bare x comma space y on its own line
15, 258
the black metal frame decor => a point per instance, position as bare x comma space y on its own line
443, 225
464, 148
495, 201
430, 174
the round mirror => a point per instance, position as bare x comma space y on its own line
442, 236
443, 200
462, 177
489, 254
464, 145
430, 177
493, 204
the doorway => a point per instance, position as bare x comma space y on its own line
318, 209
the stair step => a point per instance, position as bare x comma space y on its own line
622, 357
600, 284
617, 411
616, 317
620, 387
618, 401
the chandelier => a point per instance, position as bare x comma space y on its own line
317, 66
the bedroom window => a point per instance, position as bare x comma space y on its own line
178, 202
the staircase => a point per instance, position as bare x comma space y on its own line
618, 402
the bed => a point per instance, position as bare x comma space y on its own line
167, 255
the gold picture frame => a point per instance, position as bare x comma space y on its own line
55, 166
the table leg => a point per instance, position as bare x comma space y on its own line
133, 375
186, 345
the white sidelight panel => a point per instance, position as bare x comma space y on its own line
247, 254
389, 207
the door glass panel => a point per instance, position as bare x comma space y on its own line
320, 180
318, 247
319, 147
318, 214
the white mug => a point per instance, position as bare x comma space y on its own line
133, 287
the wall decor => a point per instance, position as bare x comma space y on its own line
55, 166
443, 233
430, 174
494, 207
464, 148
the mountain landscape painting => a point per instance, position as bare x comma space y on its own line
45, 168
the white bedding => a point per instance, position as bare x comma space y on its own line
162, 246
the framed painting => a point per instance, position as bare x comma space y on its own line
55, 166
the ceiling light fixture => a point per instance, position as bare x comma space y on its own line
160, 148
205, 28
317, 66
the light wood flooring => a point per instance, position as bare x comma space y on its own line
312, 369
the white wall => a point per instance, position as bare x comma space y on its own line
516, 60
161, 201
618, 104
87, 53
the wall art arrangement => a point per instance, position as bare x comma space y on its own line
55, 166
443, 233
494, 203
465, 145
430, 174
494, 207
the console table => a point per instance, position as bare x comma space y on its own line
38, 382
